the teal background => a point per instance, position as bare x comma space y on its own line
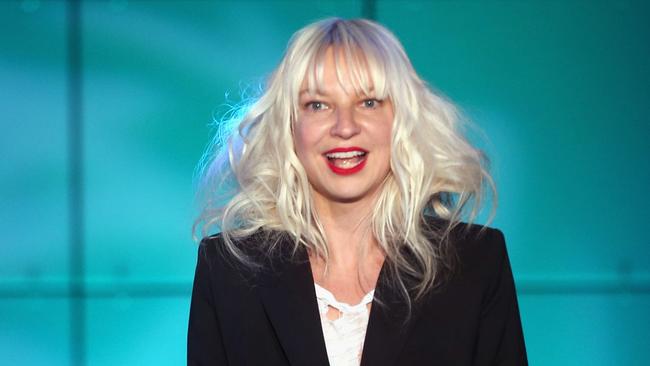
559, 89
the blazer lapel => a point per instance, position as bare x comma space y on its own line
388, 327
289, 299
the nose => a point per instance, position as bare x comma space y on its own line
345, 126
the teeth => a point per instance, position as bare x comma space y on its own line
344, 155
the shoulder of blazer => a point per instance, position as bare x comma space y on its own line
259, 263
479, 246
482, 259
478, 251
470, 239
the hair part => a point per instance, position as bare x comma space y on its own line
251, 178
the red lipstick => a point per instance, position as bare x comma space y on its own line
358, 163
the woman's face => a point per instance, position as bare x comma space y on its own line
343, 139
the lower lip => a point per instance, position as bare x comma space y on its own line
347, 171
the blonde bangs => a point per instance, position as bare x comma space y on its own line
354, 50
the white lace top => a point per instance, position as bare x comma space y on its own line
343, 336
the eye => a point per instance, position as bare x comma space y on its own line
316, 106
371, 103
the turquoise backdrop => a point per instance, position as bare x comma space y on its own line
106, 111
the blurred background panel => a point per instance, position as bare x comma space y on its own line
34, 266
126, 330
558, 92
586, 327
35, 331
33, 142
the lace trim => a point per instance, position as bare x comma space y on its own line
326, 299
344, 337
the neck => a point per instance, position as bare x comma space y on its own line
348, 230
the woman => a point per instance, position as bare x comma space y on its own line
341, 240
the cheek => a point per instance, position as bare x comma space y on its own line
308, 135
384, 134
303, 140
383, 138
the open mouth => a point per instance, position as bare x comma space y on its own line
346, 160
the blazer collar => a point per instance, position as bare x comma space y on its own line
289, 298
388, 326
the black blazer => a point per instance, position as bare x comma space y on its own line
270, 316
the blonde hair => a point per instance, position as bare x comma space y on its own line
251, 178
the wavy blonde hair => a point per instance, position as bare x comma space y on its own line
251, 178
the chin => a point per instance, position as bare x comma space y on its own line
348, 196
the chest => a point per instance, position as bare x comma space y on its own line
281, 325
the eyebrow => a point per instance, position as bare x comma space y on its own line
324, 92
306, 91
